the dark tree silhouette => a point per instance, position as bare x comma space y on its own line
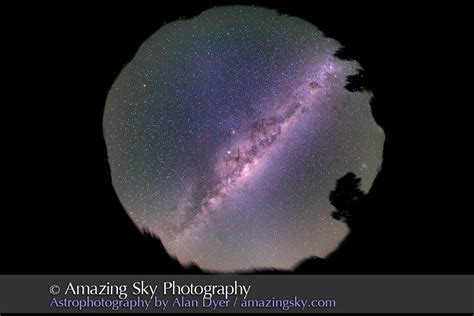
346, 198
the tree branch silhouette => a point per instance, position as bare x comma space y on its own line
346, 198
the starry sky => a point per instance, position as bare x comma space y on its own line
226, 132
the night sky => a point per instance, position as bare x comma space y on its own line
226, 132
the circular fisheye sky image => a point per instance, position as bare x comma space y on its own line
227, 132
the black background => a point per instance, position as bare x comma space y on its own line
61, 215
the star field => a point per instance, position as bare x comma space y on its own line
226, 133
